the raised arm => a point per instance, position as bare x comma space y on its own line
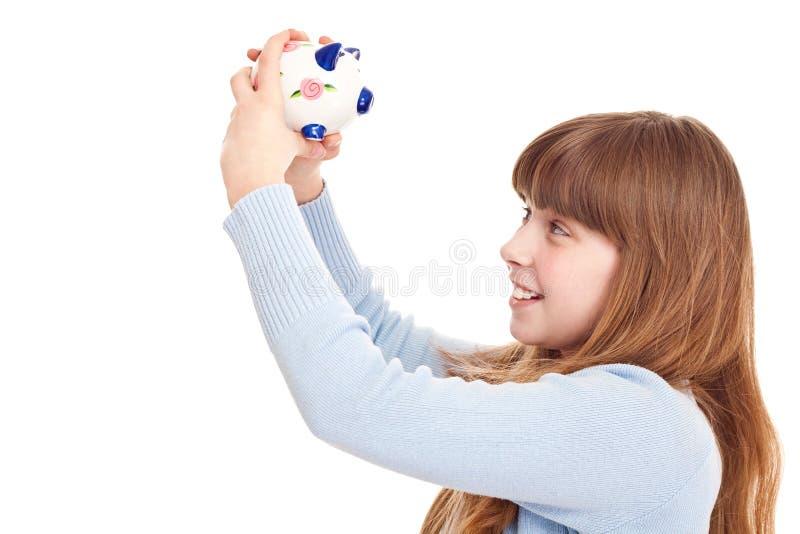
396, 335
598, 448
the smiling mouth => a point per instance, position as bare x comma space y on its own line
523, 293
519, 294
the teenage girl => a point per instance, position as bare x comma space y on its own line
628, 400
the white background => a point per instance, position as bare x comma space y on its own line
137, 393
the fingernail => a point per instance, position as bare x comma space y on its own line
334, 143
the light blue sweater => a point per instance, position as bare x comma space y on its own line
608, 449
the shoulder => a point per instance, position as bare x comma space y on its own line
635, 439
675, 408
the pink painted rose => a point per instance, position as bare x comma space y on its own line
288, 47
311, 88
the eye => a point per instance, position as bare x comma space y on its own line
527, 216
552, 225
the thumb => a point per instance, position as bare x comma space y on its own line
310, 149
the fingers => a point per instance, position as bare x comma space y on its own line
302, 34
253, 53
269, 82
332, 141
266, 82
240, 84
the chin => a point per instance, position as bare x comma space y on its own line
526, 338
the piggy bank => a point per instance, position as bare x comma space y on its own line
322, 88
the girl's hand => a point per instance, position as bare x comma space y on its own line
258, 146
303, 173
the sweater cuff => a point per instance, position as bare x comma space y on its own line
333, 246
286, 275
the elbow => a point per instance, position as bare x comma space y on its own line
330, 424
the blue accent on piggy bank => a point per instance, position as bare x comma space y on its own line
314, 132
328, 55
365, 100
355, 51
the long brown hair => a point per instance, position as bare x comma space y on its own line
667, 191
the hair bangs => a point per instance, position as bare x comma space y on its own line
579, 175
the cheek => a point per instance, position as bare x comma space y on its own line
553, 270
590, 281
580, 287
565, 276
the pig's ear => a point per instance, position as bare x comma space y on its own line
328, 55
355, 51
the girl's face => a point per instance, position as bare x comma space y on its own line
571, 266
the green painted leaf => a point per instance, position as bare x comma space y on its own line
296, 94
329, 87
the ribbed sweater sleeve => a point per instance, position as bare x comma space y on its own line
568, 444
397, 335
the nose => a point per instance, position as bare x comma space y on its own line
519, 251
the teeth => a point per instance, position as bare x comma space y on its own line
522, 294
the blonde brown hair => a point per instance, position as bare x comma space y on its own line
667, 191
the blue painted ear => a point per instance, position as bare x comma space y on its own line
365, 100
314, 131
328, 55
355, 51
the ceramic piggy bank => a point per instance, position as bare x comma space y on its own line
322, 88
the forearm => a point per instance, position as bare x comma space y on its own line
608, 433
397, 335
